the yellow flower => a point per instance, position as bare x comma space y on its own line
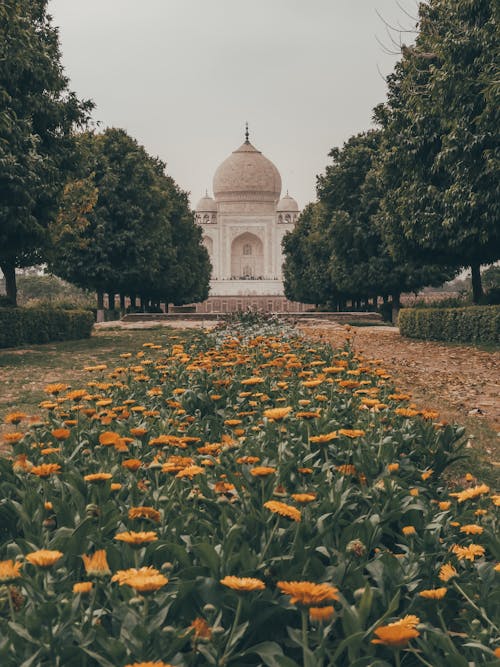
433, 593
468, 553
397, 634
277, 414
321, 614
447, 572
304, 497
243, 583
82, 587
144, 513
136, 538
472, 529
283, 510
9, 570
308, 593
97, 564
44, 557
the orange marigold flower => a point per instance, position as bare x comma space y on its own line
352, 432
146, 583
122, 575
134, 539
132, 464
248, 459
138, 432
447, 572
243, 583
45, 469
277, 414
46, 451
305, 471
97, 477
409, 530
12, 437
304, 497
190, 471
311, 414
9, 570
108, 438
324, 437
468, 553
21, 464
283, 510
444, 505
97, 564
433, 593
346, 469
321, 614
249, 382
406, 412
397, 634
201, 629
425, 475
44, 557
14, 417
82, 587
149, 664
54, 389
262, 471
77, 395
393, 467
472, 529
144, 513
496, 500
308, 593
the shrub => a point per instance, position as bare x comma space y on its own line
19, 326
475, 324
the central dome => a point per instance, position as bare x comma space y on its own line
246, 175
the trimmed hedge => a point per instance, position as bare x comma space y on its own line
474, 324
21, 326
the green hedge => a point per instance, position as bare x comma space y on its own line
474, 324
21, 326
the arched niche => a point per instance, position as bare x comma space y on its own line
247, 257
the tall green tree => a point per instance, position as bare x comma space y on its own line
441, 154
137, 236
38, 117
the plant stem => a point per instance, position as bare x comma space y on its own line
233, 628
474, 605
424, 662
305, 638
266, 547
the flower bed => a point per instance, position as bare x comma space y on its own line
242, 500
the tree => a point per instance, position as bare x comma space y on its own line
38, 115
137, 237
440, 154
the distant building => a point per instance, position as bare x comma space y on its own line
243, 226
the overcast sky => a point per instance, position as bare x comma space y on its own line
183, 76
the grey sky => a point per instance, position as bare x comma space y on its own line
183, 76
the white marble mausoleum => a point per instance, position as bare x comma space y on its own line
244, 224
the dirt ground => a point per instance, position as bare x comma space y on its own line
464, 379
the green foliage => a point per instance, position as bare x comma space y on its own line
20, 326
366, 486
440, 156
38, 114
476, 324
138, 235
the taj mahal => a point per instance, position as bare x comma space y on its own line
243, 225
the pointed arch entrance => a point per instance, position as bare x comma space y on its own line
247, 257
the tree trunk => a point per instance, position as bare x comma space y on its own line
100, 301
111, 301
396, 307
143, 304
9, 272
122, 302
477, 286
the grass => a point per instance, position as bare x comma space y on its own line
25, 371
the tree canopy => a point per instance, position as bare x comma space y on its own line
125, 226
38, 116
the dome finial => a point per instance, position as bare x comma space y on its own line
246, 133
